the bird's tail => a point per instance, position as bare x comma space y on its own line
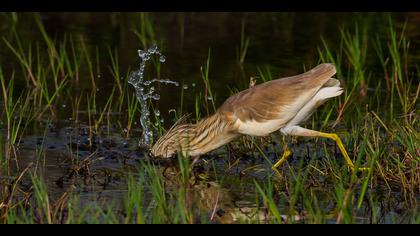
325, 70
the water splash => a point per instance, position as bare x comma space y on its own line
145, 92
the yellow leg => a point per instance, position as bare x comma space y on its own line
299, 131
283, 158
340, 145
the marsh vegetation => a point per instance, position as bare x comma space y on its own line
69, 119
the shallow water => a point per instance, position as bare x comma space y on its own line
285, 43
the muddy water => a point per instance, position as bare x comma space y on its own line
95, 165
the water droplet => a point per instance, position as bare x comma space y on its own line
162, 58
63, 106
185, 86
161, 120
157, 113
193, 84
209, 98
153, 49
142, 54
143, 94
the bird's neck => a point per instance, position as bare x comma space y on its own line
210, 133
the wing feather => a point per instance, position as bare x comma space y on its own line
277, 99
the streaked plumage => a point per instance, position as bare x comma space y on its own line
259, 111
196, 139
